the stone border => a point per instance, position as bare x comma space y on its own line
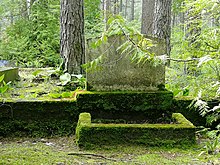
90, 135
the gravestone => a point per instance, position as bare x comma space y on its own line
8, 70
118, 72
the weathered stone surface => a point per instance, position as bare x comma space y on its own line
118, 72
10, 73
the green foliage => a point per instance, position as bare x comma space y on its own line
212, 116
196, 43
65, 78
212, 146
136, 45
3, 86
73, 82
177, 6
93, 19
33, 41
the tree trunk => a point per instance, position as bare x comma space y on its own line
132, 10
162, 21
12, 14
126, 8
103, 8
72, 43
121, 6
193, 29
116, 11
147, 17
107, 12
28, 3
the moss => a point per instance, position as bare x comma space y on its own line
126, 105
42, 128
84, 120
38, 118
39, 110
181, 119
92, 135
181, 105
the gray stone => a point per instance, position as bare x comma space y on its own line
118, 72
10, 73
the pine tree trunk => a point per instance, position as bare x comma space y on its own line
121, 6
147, 17
72, 43
107, 12
116, 11
126, 9
193, 29
132, 10
162, 21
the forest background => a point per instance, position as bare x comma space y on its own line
30, 37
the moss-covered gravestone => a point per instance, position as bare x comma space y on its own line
118, 72
132, 93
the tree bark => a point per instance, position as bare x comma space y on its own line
162, 21
193, 29
72, 42
116, 11
121, 6
132, 10
147, 17
126, 8
107, 12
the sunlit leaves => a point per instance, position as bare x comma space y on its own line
94, 64
204, 60
3, 86
65, 78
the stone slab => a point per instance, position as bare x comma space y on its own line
118, 72
10, 73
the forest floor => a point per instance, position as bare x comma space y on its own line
63, 151
34, 84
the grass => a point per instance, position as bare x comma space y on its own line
63, 151
34, 84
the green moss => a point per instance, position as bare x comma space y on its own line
38, 118
181, 119
84, 120
181, 105
92, 135
42, 128
126, 105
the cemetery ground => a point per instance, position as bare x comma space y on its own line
63, 151
35, 84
